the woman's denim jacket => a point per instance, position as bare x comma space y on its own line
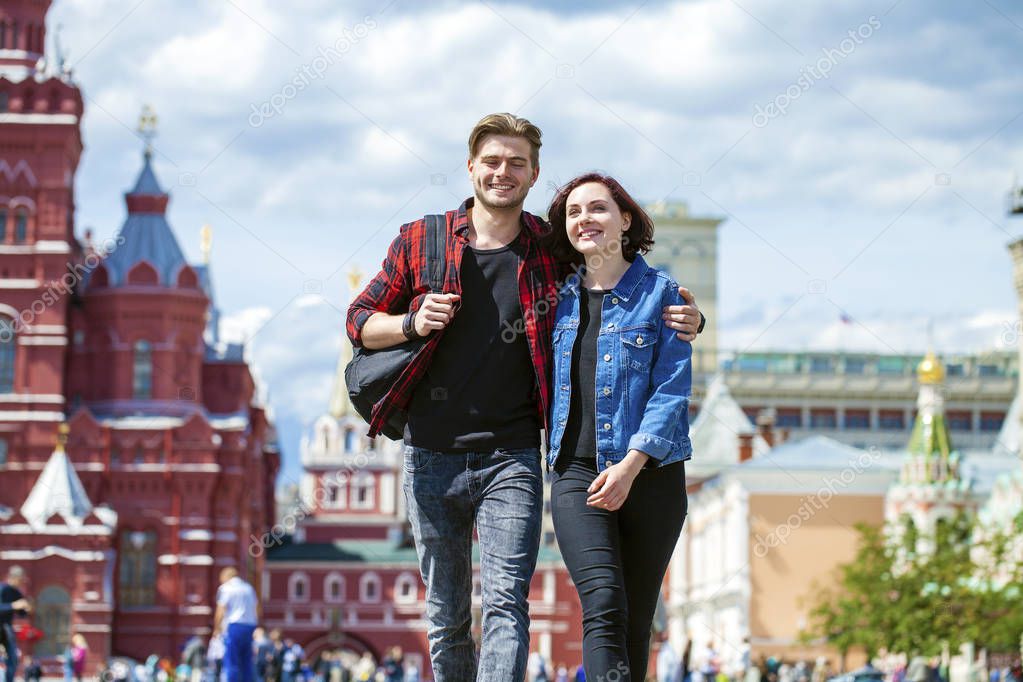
643, 374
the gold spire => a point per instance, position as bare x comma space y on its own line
930, 370
354, 279
62, 432
147, 127
340, 405
206, 243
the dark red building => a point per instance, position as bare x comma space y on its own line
135, 459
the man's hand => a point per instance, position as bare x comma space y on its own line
436, 312
685, 319
21, 605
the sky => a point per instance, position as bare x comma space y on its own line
859, 153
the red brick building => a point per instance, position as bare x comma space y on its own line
342, 571
164, 463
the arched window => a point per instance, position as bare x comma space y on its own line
20, 226
142, 374
100, 277
298, 587
406, 589
143, 273
369, 588
335, 492
5, 101
52, 616
8, 348
910, 533
363, 491
3, 211
3, 452
349, 440
3, 35
187, 279
334, 588
137, 579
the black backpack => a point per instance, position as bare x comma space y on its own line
372, 373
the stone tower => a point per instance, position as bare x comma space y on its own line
687, 247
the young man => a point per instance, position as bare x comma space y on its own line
476, 397
235, 621
12, 603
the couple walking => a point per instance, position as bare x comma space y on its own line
561, 327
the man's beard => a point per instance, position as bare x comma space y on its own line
513, 202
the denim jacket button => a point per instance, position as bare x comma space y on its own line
615, 300
607, 357
639, 340
607, 427
607, 391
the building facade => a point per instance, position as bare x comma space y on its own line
869, 400
135, 456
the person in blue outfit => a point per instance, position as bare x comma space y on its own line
235, 619
619, 421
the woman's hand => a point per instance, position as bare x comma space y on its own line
610, 488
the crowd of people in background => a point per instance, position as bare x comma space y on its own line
275, 658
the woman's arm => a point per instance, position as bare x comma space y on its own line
671, 385
671, 381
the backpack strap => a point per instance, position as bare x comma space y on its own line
436, 251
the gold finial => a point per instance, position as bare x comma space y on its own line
147, 126
930, 370
206, 242
62, 431
354, 278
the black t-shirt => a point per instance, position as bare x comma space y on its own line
8, 595
580, 439
479, 391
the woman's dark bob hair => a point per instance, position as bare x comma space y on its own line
637, 239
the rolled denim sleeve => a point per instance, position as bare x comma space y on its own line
671, 384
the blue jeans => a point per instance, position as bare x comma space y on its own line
238, 658
501, 492
11, 649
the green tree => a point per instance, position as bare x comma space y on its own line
964, 588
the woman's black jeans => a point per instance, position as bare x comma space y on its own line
617, 560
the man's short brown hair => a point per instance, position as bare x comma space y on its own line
506, 124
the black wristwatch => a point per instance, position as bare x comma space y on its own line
408, 326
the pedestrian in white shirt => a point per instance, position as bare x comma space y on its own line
235, 620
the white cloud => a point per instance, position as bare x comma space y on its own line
294, 198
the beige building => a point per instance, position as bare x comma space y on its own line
761, 536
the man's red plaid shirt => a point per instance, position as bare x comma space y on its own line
403, 283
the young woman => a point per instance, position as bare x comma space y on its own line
620, 427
